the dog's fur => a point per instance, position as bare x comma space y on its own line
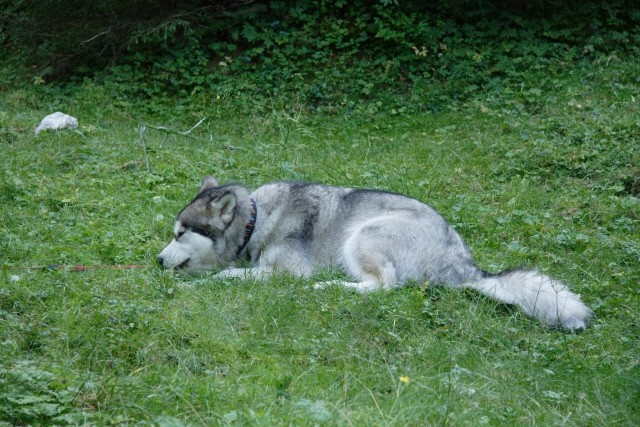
379, 239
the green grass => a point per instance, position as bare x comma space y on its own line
543, 175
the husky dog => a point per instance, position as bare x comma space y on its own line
380, 239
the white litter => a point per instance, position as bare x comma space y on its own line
57, 121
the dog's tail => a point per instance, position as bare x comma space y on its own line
538, 295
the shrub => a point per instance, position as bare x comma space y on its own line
329, 53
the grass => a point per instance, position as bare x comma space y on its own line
544, 175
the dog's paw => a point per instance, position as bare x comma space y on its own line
362, 287
324, 285
320, 285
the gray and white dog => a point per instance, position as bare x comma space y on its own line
380, 239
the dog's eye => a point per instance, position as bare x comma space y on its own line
179, 235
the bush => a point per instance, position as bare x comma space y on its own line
329, 53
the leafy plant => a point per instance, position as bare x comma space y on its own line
329, 54
30, 395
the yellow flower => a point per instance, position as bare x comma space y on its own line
404, 379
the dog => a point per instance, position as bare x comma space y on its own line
381, 240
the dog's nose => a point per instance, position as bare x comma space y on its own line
160, 261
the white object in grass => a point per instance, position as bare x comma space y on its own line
57, 121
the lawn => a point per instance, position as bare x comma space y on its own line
544, 176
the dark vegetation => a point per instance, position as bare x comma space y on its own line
391, 55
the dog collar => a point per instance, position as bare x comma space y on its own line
248, 229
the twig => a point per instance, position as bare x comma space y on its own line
82, 267
107, 31
177, 132
141, 131
77, 267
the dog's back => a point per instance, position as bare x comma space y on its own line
322, 221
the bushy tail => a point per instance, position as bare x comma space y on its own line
538, 295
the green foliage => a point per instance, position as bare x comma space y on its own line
367, 54
30, 396
337, 56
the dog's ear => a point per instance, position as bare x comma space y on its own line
209, 182
223, 209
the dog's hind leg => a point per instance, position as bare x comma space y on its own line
364, 259
372, 279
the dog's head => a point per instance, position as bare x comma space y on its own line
208, 231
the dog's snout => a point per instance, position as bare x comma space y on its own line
161, 262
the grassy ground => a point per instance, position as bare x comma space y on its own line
545, 176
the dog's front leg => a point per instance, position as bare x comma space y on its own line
259, 273
362, 287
